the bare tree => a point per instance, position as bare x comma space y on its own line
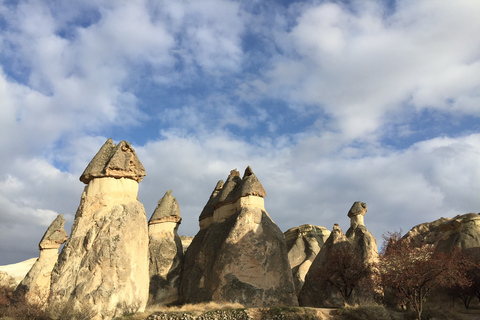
412, 272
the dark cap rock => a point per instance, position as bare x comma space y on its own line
117, 161
55, 235
167, 210
358, 208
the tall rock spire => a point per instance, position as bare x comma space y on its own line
165, 251
239, 254
104, 264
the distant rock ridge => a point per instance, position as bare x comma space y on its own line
446, 234
116, 161
35, 287
165, 251
104, 264
239, 254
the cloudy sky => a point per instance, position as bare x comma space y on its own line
330, 102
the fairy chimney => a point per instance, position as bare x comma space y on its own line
104, 263
165, 251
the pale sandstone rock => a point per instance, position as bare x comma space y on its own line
362, 240
186, 241
165, 251
304, 243
241, 255
356, 213
104, 264
445, 234
312, 293
35, 287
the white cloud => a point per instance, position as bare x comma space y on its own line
360, 66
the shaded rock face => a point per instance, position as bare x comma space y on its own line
241, 255
104, 264
462, 231
165, 251
303, 244
35, 287
312, 293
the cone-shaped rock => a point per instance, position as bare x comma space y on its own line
304, 243
117, 161
241, 256
165, 251
35, 287
104, 263
206, 217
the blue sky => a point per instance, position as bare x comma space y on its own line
330, 102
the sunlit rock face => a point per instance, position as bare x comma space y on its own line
446, 234
304, 243
165, 251
362, 240
239, 254
104, 264
363, 247
35, 287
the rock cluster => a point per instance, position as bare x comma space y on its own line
304, 243
35, 287
104, 263
165, 251
357, 240
239, 254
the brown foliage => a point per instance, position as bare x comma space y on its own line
412, 272
344, 271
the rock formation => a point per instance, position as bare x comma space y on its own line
361, 239
186, 241
104, 263
358, 248
313, 292
445, 234
239, 254
165, 251
35, 287
304, 243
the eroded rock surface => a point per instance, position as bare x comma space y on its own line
35, 287
240, 254
361, 239
104, 263
304, 243
165, 251
445, 234
313, 293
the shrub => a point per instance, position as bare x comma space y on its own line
374, 312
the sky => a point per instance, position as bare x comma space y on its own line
329, 102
